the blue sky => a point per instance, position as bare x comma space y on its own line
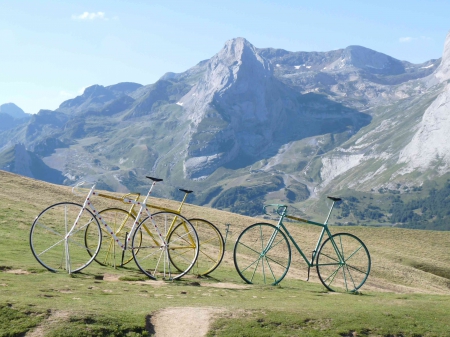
51, 50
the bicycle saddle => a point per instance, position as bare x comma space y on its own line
154, 179
185, 191
334, 199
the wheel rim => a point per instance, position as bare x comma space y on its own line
211, 247
347, 273
121, 222
154, 258
262, 254
54, 249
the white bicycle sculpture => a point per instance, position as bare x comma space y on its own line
67, 237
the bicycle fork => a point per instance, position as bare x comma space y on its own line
311, 264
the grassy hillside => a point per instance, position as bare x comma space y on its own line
407, 293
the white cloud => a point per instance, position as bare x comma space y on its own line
90, 16
64, 93
408, 39
405, 39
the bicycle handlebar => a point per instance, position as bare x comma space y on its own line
281, 209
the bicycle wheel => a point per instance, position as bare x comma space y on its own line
211, 248
58, 244
262, 254
152, 255
343, 263
121, 222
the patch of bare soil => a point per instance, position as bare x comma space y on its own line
116, 278
111, 277
41, 330
17, 271
225, 285
182, 321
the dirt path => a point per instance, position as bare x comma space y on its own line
182, 321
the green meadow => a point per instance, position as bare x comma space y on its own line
407, 293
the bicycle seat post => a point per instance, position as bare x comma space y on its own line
186, 192
182, 201
334, 200
155, 180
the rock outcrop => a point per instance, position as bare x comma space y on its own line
430, 146
443, 71
239, 109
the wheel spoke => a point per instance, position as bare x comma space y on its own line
271, 271
57, 239
268, 251
177, 252
254, 271
251, 264
343, 262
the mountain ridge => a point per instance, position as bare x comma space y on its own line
305, 123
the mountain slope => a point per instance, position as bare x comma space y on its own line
405, 144
13, 110
18, 160
239, 110
12, 116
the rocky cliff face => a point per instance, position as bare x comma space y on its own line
430, 146
443, 72
227, 105
239, 109
419, 128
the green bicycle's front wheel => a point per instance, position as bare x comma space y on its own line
262, 254
343, 263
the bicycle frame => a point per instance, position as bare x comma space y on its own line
143, 207
281, 211
136, 214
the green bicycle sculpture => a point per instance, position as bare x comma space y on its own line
262, 254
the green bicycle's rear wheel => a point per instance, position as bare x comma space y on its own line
347, 273
262, 254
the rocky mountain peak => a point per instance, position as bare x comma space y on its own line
95, 90
124, 87
237, 49
93, 98
371, 61
234, 66
12, 110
